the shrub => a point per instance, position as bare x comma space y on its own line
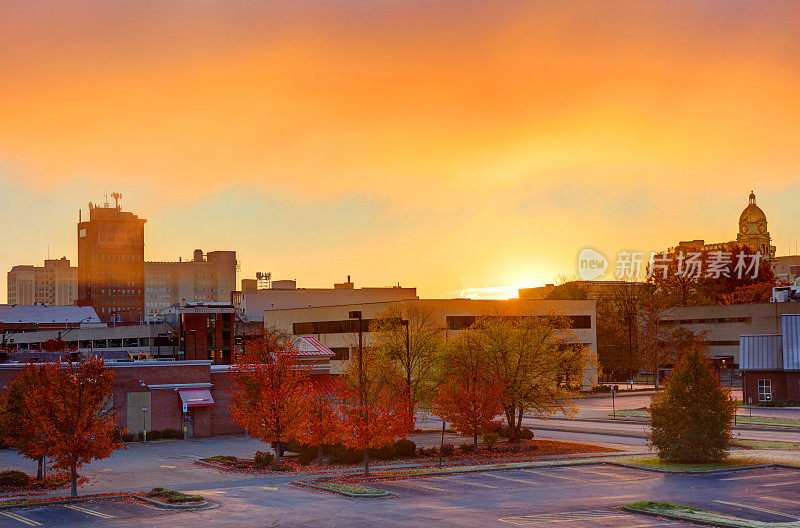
405, 448
129, 437
466, 447
384, 453
429, 452
280, 467
16, 479
490, 439
172, 496
172, 434
263, 459
306, 454
691, 418
155, 434
504, 431
448, 449
525, 434
344, 455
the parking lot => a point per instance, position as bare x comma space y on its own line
99, 513
542, 497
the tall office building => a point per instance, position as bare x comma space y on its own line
55, 283
111, 263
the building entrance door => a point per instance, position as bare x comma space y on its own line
188, 424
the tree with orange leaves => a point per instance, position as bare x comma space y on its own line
71, 413
271, 393
466, 396
321, 424
372, 406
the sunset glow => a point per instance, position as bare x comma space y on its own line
465, 148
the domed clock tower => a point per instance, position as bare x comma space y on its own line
753, 229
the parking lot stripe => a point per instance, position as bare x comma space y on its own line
595, 472
554, 476
88, 511
268, 488
757, 476
169, 467
467, 482
513, 479
793, 483
781, 500
419, 485
765, 510
20, 518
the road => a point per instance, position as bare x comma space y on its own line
568, 497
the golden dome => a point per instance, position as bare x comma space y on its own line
752, 214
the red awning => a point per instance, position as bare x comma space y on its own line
196, 397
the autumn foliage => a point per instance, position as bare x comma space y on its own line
372, 408
271, 392
691, 419
321, 424
467, 397
65, 414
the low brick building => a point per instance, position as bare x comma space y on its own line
186, 395
770, 363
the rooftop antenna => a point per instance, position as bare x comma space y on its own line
105, 203
116, 196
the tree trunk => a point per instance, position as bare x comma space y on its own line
39, 470
319, 454
475, 442
366, 461
511, 413
73, 484
519, 426
278, 452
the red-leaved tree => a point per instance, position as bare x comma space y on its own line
372, 408
467, 397
321, 425
271, 393
72, 413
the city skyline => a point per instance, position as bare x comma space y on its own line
374, 141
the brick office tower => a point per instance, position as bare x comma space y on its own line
111, 263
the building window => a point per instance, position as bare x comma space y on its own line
765, 390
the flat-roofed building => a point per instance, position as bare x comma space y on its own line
332, 325
770, 363
56, 282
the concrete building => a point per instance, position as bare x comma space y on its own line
209, 277
111, 263
56, 283
332, 326
18, 319
787, 269
724, 324
283, 295
770, 363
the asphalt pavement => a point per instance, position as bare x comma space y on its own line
568, 497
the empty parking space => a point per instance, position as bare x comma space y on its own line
79, 514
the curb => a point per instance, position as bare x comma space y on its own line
205, 505
700, 471
306, 484
680, 518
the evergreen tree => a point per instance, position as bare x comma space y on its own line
691, 419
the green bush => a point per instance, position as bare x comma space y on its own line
345, 455
155, 434
263, 459
504, 431
405, 448
307, 454
384, 453
172, 434
466, 447
15, 479
172, 496
490, 439
129, 437
280, 467
448, 449
690, 420
525, 434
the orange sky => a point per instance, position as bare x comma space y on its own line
443, 145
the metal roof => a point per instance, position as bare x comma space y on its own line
17, 313
761, 352
311, 346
